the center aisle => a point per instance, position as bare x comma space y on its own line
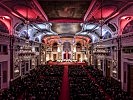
65, 95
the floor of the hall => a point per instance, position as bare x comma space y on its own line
64, 82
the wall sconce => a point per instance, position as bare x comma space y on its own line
16, 71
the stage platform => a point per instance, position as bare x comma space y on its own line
67, 63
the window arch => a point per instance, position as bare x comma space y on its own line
107, 35
19, 27
3, 27
78, 46
128, 28
55, 46
112, 27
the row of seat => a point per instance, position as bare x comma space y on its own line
110, 86
82, 87
44, 83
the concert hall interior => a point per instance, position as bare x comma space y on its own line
66, 49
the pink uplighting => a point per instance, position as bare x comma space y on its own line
26, 12
106, 12
7, 21
124, 21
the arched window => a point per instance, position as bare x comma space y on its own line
67, 46
54, 47
19, 27
112, 27
107, 35
24, 34
128, 28
3, 27
37, 39
78, 46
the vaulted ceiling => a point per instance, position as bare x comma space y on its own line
64, 10
65, 15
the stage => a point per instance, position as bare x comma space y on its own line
67, 63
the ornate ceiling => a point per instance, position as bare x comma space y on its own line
65, 16
70, 28
64, 9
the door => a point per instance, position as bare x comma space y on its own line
69, 56
27, 66
22, 67
54, 57
130, 79
78, 57
108, 68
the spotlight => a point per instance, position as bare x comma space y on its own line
2, 18
128, 18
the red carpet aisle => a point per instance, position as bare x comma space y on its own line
65, 86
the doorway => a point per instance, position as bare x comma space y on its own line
78, 57
108, 65
130, 79
54, 57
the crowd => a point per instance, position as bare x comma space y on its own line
82, 87
110, 86
76, 71
44, 83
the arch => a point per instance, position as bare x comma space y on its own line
94, 37
66, 46
78, 46
55, 46
19, 26
25, 31
30, 32
24, 34
107, 35
112, 26
37, 39
7, 22
128, 28
3, 27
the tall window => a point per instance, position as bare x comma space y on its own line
3, 49
78, 46
66, 46
27, 66
54, 47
